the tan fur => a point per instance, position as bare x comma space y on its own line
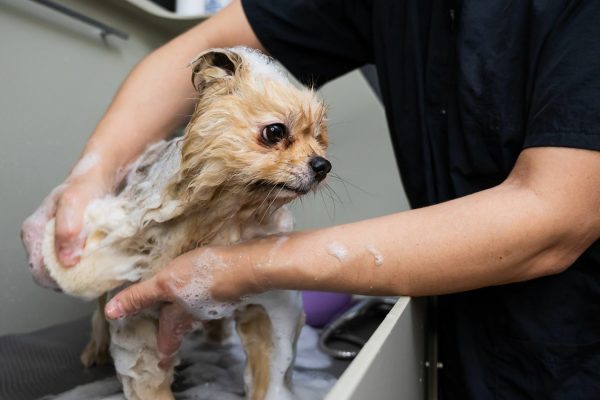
225, 187
96, 352
254, 327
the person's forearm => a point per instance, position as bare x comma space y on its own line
494, 237
157, 96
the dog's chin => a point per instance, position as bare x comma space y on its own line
283, 190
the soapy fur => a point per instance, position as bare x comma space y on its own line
218, 185
216, 372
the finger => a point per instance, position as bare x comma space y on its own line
69, 240
134, 299
174, 323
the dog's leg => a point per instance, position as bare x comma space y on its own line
255, 330
133, 348
97, 350
269, 331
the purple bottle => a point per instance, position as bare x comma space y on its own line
322, 307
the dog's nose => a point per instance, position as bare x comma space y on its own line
321, 167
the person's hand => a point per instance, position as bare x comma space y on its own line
70, 207
203, 284
67, 203
174, 323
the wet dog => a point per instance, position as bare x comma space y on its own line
254, 143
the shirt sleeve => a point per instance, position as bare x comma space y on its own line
316, 40
565, 89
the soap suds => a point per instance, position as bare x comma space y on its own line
86, 163
308, 355
261, 65
376, 254
338, 251
216, 372
195, 294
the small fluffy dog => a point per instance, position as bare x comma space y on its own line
254, 143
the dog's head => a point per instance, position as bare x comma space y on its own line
253, 132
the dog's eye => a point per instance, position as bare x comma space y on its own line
273, 133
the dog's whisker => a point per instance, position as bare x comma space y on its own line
265, 199
333, 199
270, 204
333, 193
273, 201
347, 182
325, 207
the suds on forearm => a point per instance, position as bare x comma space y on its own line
338, 251
376, 254
84, 165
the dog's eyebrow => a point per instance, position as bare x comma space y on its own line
292, 118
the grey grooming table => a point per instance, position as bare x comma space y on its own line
46, 361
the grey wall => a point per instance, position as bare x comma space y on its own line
57, 77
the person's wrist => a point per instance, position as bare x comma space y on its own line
98, 165
241, 276
262, 261
257, 273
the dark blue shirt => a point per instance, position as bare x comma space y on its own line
467, 85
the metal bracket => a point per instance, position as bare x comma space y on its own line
105, 30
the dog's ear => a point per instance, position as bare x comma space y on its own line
215, 66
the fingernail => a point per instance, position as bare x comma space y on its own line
69, 257
114, 310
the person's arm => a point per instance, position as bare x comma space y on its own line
153, 101
536, 223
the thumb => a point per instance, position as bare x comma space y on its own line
174, 323
134, 299
69, 240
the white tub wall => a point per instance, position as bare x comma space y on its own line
391, 365
57, 79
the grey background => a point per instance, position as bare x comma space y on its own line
57, 78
